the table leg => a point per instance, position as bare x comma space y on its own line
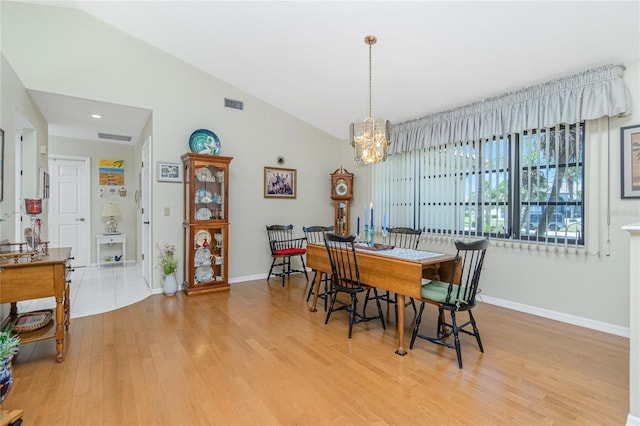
400, 304
59, 328
315, 291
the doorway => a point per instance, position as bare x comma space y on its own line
69, 208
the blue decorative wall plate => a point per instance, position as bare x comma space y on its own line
204, 141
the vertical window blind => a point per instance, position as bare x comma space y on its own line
523, 186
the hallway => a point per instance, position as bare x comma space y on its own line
96, 290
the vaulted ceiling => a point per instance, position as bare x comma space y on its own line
309, 58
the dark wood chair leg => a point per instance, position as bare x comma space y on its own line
333, 301
304, 268
456, 338
416, 326
286, 268
312, 286
352, 313
384, 326
271, 269
475, 331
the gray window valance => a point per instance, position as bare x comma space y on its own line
587, 95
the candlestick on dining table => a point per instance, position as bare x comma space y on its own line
358, 226
364, 218
371, 221
384, 221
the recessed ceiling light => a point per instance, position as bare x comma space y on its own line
95, 115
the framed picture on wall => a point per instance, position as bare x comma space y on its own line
279, 183
630, 161
45, 183
169, 172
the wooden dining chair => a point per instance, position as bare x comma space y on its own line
283, 247
346, 279
315, 235
457, 295
402, 237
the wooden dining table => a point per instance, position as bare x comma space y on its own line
399, 271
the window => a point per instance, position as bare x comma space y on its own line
526, 186
551, 182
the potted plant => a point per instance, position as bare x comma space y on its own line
169, 264
8, 348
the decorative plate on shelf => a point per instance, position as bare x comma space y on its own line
203, 257
203, 214
204, 141
204, 274
201, 237
203, 174
203, 196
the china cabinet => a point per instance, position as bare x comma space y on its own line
206, 223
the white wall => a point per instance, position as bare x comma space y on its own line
16, 108
68, 52
19, 116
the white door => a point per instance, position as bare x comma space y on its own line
69, 206
145, 217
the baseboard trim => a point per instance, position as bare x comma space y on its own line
248, 278
557, 316
520, 307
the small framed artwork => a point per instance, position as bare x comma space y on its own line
279, 183
45, 183
630, 161
169, 172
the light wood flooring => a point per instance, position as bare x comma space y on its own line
257, 356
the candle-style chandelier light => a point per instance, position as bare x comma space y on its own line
370, 138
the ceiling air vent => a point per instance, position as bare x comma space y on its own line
233, 104
114, 137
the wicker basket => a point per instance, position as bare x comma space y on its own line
30, 321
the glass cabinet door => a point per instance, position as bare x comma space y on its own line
209, 193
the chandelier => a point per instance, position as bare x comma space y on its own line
370, 138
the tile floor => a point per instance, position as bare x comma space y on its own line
98, 289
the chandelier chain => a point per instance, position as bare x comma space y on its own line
370, 44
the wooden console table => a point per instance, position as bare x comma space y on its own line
43, 277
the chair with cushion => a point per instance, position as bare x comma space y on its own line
402, 237
315, 235
346, 279
459, 294
283, 247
